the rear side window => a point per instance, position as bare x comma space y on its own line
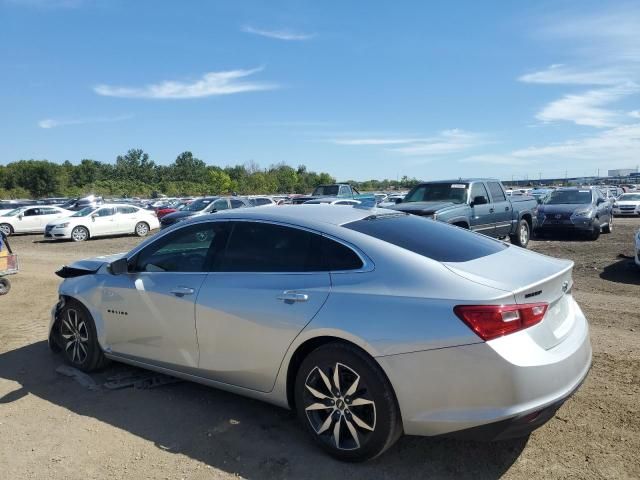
497, 195
237, 204
265, 247
429, 238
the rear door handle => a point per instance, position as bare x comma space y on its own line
506, 209
182, 291
292, 297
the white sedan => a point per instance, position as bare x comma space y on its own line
30, 219
627, 204
108, 219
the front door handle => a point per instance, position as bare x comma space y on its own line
292, 297
182, 291
506, 209
491, 210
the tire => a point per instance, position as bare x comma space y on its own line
5, 286
609, 227
522, 236
142, 229
6, 229
364, 430
79, 234
78, 338
595, 232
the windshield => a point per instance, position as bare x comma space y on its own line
330, 190
569, 197
84, 212
197, 205
630, 197
439, 192
13, 213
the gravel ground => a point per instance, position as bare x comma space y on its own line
52, 427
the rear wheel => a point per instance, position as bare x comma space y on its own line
6, 229
79, 234
521, 237
142, 229
346, 403
5, 286
78, 338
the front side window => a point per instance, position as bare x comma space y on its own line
32, 212
344, 191
479, 190
497, 195
84, 212
105, 212
220, 205
189, 249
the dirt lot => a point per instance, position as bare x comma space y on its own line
52, 427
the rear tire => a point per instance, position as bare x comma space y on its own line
346, 403
6, 229
79, 234
5, 286
78, 338
142, 229
522, 236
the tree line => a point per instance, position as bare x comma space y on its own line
136, 174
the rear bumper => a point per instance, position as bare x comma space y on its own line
508, 386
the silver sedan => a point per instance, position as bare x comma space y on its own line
369, 323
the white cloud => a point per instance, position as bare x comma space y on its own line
284, 34
53, 123
447, 141
210, 84
559, 74
587, 108
634, 114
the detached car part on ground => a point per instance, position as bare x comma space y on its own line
369, 323
580, 210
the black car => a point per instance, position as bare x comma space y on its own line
584, 210
202, 206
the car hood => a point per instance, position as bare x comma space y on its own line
425, 207
563, 208
87, 266
172, 217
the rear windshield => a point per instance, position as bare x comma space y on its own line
326, 190
429, 238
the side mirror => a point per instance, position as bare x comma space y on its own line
119, 267
479, 200
398, 200
539, 200
600, 201
21, 216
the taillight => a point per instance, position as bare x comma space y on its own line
493, 321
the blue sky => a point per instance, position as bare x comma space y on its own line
359, 89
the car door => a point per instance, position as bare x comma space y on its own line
502, 214
28, 221
127, 218
482, 219
220, 204
603, 207
103, 222
149, 313
256, 301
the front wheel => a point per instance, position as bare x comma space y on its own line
609, 227
595, 231
79, 234
142, 229
6, 229
521, 237
5, 286
346, 403
78, 338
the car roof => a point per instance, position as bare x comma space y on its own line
306, 215
461, 180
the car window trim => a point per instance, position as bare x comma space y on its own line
367, 264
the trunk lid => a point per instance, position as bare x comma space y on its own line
532, 278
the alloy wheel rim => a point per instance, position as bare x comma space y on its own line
79, 234
142, 229
337, 407
75, 336
5, 229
